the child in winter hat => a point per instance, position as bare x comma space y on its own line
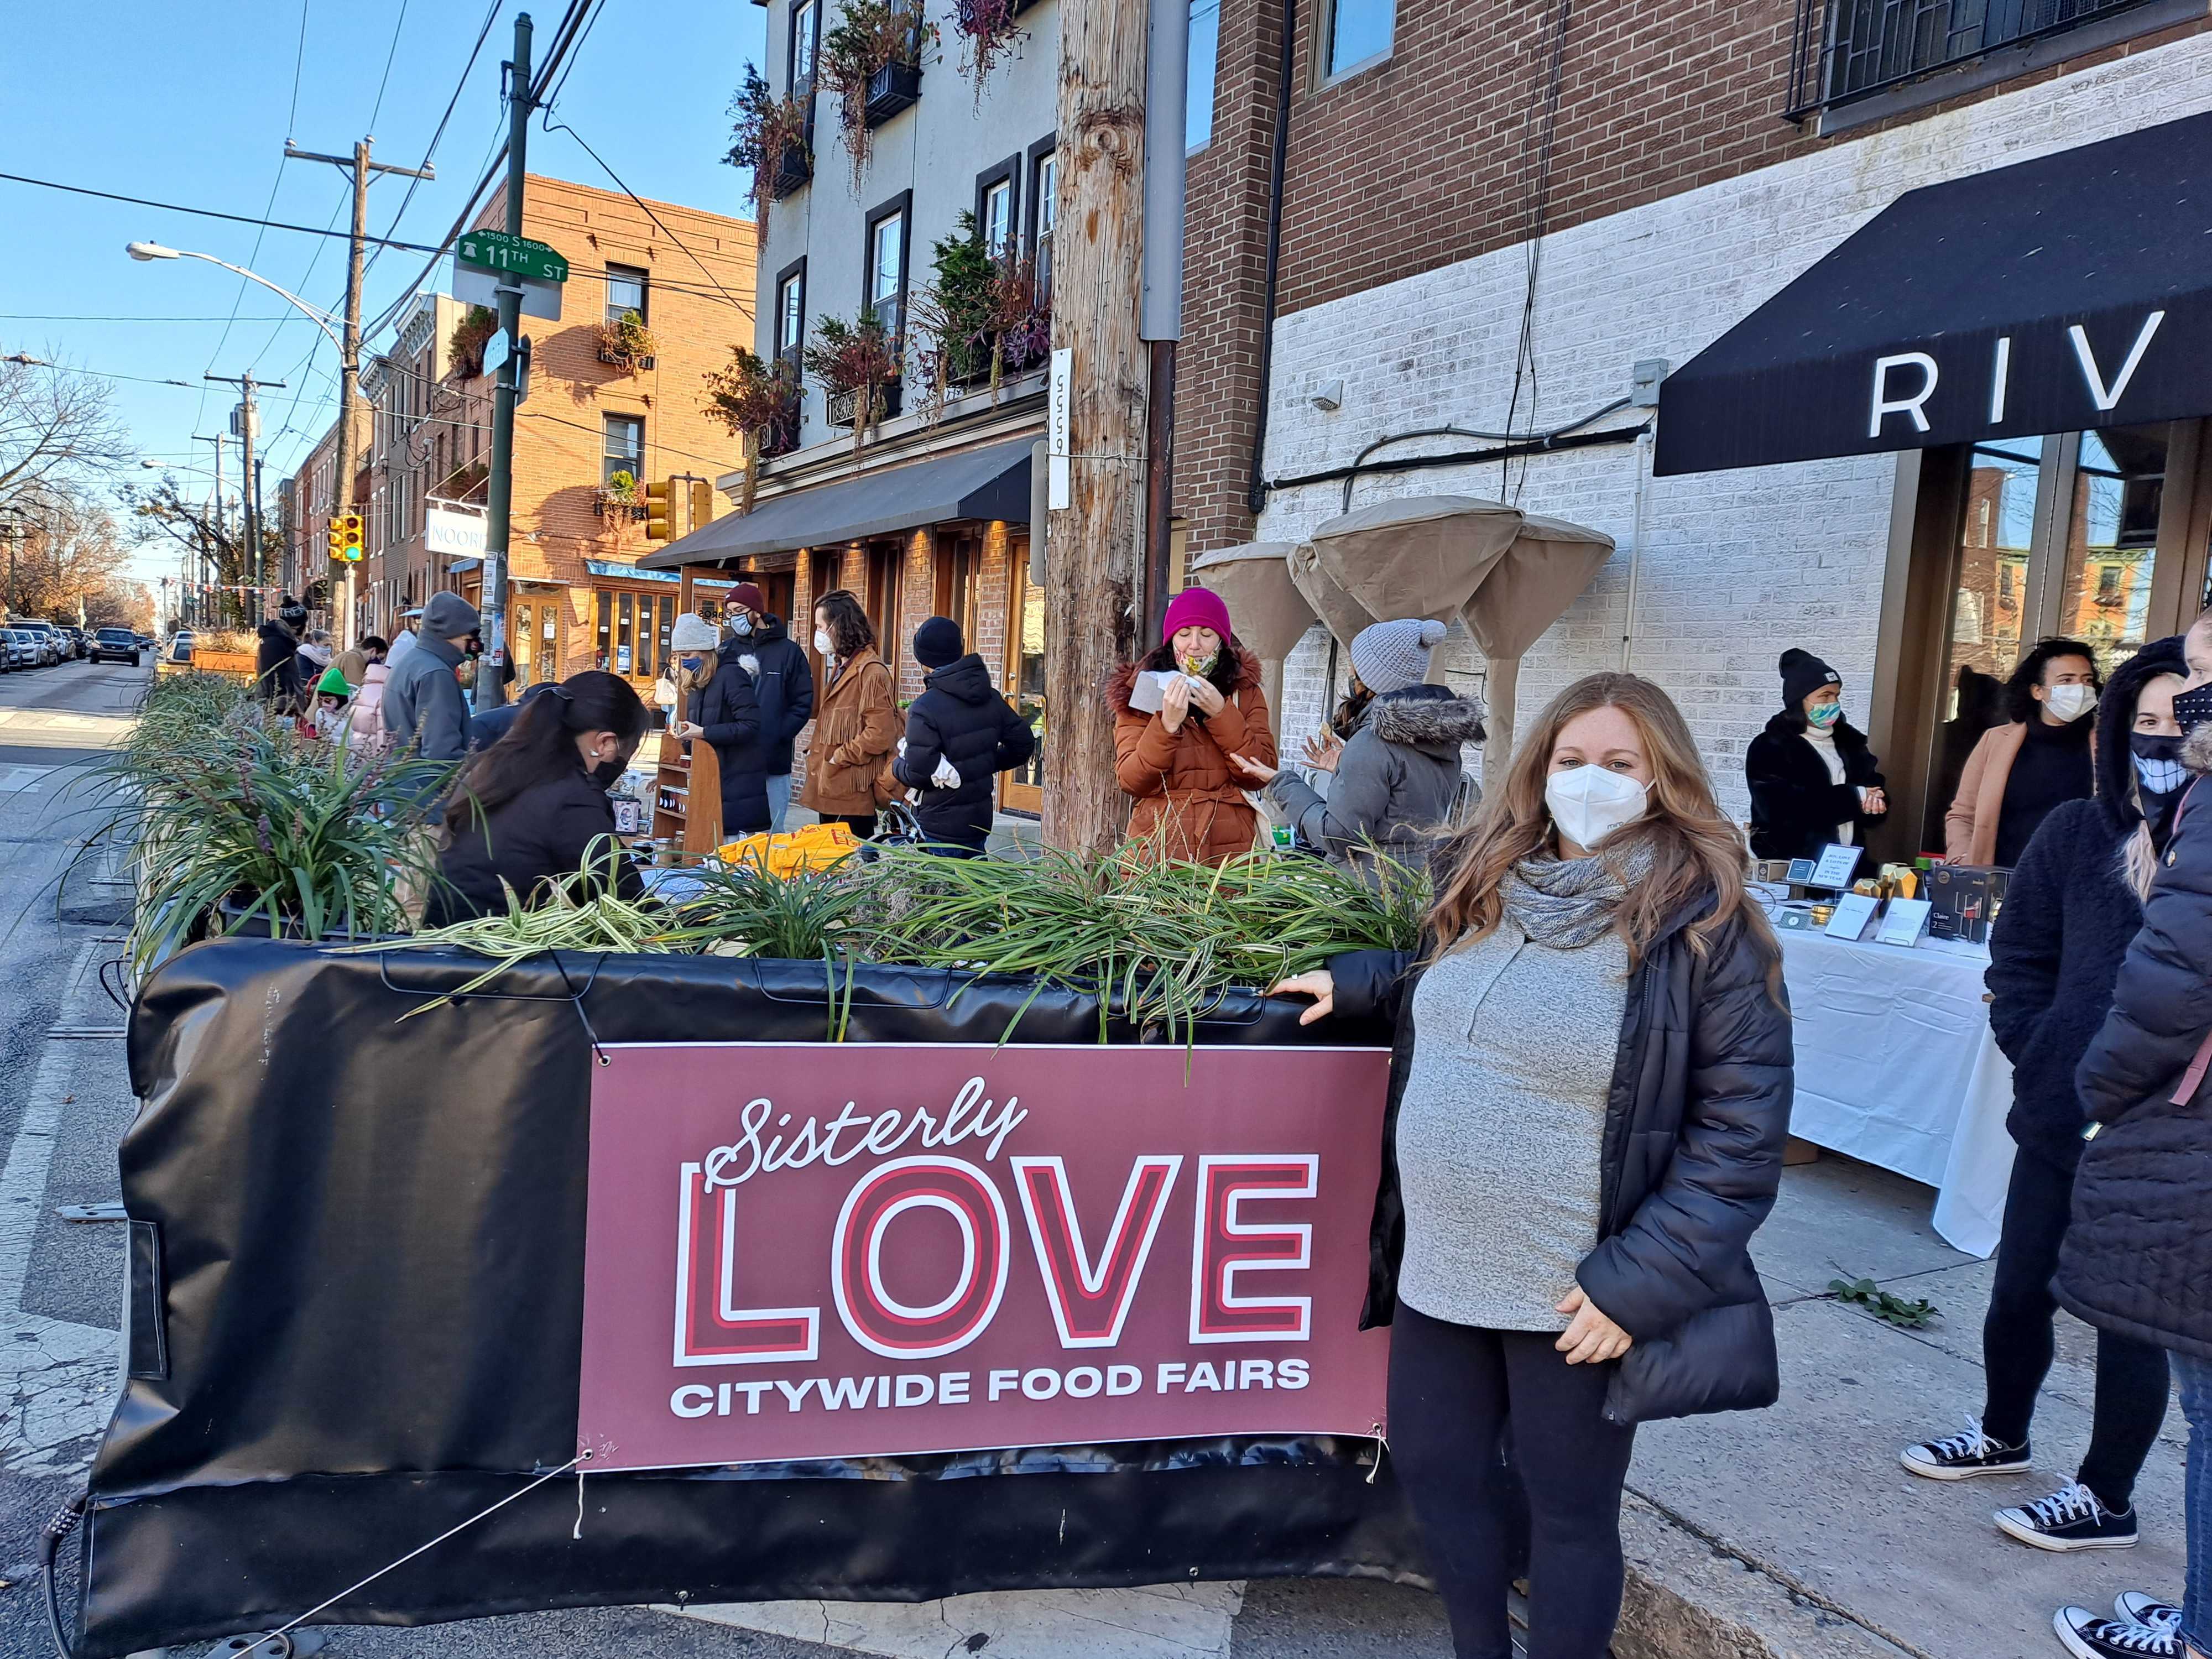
1393, 655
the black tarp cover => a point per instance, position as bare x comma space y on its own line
357, 1265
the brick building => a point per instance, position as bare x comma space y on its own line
597, 425
1486, 227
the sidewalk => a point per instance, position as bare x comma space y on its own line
1794, 1532
1788, 1534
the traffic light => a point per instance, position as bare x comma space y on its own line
659, 498
349, 548
337, 538
702, 504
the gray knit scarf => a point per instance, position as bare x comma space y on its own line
1567, 904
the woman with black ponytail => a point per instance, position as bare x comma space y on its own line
530, 808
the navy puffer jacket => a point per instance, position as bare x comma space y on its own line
2137, 1258
1695, 1123
730, 713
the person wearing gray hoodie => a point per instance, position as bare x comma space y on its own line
422, 701
1399, 768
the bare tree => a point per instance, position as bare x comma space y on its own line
162, 511
63, 547
57, 428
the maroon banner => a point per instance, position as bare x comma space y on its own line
830, 1250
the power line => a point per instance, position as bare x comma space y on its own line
392, 52
563, 126
491, 14
71, 317
211, 213
299, 57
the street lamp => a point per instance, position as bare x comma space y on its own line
146, 252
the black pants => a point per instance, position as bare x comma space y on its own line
2017, 1341
1453, 1387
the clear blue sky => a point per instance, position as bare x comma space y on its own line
192, 105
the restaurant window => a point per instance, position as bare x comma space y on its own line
603, 609
804, 17
1205, 57
551, 622
625, 292
1357, 32
884, 290
959, 558
2055, 536
882, 599
624, 446
1022, 789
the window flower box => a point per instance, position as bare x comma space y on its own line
843, 405
795, 171
891, 88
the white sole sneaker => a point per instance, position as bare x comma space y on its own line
1927, 1471
2043, 1540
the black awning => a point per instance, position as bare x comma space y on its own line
992, 483
2068, 292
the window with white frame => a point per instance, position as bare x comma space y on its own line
804, 16
791, 315
625, 292
623, 448
997, 217
887, 270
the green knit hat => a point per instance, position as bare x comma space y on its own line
333, 684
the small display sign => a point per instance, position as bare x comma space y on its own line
1836, 864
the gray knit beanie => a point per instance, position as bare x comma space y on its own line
693, 632
1393, 655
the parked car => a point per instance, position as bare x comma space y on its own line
22, 651
47, 637
181, 646
115, 645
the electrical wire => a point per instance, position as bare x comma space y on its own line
391, 52
647, 207
211, 213
1524, 358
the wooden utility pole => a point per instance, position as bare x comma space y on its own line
1095, 543
351, 441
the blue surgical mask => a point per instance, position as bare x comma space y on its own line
691, 662
742, 625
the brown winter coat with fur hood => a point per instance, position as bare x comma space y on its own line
1189, 803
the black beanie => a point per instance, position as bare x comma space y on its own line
1802, 674
938, 642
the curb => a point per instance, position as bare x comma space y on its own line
1691, 1597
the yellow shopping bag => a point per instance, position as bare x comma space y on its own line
812, 847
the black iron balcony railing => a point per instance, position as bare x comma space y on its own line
1846, 50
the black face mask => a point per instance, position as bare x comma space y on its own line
2160, 780
2193, 708
607, 773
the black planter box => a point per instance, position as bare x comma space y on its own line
843, 407
890, 89
794, 169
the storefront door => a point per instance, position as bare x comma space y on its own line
1021, 790
2100, 537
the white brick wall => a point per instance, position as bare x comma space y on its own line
1740, 565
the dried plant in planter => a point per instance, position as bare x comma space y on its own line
764, 130
465, 346
868, 38
982, 314
857, 359
758, 402
987, 34
626, 340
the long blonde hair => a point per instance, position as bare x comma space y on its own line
1696, 852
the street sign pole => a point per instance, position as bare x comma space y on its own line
490, 692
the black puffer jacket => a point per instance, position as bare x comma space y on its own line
2137, 1257
783, 686
730, 713
1795, 808
961, 718
543, 833
276, 667
1694, 1128
2066, 923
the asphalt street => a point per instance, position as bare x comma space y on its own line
65, 1101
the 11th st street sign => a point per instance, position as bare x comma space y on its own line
510, 256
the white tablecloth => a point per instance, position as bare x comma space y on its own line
1896, 1066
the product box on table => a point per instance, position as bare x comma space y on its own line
1966, 897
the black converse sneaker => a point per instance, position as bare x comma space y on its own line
2134, 1607
2091, 1636
2071, 1518
1964, 1456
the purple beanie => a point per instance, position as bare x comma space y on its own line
1196, 607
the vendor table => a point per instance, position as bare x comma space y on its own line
1896, 1066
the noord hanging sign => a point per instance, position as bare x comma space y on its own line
510, 256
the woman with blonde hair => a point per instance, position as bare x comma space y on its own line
1588, 1106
